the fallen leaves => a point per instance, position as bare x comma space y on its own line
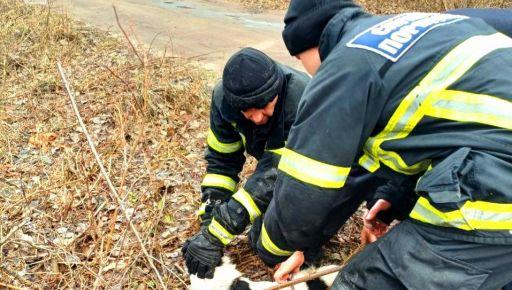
138, 117
42, 140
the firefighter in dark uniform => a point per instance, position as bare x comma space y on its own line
253, 109
423, 100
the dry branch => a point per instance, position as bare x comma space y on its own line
9, 286
17, 277
127, 38
12, 231
318, 274
113, 190
308, 277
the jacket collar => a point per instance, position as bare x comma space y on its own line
334, 29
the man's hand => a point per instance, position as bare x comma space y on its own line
374, 228
202, 256
367, 237
288, 267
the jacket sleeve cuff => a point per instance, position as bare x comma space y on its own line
269, 251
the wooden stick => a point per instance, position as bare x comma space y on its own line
319, 274
113, 190
308, 277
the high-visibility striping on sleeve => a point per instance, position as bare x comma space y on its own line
473, 215
277, 151
431, 97
202, 209
311, 171
423, 211
216, 229
470, 107
244, 140
368, 163
221, 147
245, 199
217, 180
270, 246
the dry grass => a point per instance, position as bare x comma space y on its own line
400, 6
266, 4
58, 226
389, 7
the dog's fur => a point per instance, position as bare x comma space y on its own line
227, 277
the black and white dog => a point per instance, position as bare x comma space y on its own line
227, 277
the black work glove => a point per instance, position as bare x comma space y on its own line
211, 197
202, 254
232, 215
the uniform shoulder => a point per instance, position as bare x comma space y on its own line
217, 94
344, 58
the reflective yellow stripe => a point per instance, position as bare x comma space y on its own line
245, 199
217, 180
414, 106
220, 232
425, 212
473, 215
244, 141
368, 163
218, 146
470, 107
277, 151
202, 209
311, 171
270, 246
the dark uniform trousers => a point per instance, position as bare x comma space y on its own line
361, 186
394, 261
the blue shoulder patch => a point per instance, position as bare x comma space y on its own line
394, 37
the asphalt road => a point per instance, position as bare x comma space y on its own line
208, 31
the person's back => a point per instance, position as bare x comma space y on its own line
252, 110
410, 95
500, 19
424, 75
445, 81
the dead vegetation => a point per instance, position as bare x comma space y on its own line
266, 4
59, 228
390, 7
400, 6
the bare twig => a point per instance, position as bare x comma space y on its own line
17, 277
318, 274
9, 183
308, 277
13, 230
127, 85
127, 38
9, 286
113, 190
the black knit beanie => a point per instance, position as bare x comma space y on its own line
251, 79
306, 20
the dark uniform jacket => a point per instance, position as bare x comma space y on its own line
416, 97
230, 135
